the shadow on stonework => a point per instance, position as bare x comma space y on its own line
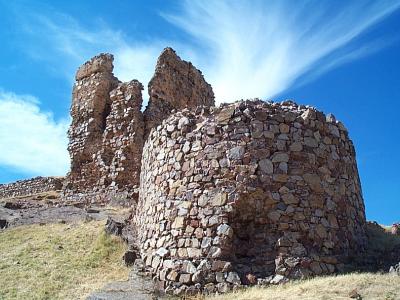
253, 241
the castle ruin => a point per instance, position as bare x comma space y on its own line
108, 127
222, 196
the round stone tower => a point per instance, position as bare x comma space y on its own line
253, 189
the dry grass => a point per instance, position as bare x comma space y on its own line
58, 261
368, 286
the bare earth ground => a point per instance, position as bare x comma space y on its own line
46, 208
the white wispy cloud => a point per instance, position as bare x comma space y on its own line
245, 48
260, 48
31, 140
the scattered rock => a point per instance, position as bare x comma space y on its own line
113, 226
13, 205
3, 223
278, 279
130, 257
395, 229
395, 270
233, 277
91, 210
355, 295
251, 279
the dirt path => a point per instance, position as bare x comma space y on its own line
137, 287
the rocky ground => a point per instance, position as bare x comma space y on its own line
138, 287
47, 208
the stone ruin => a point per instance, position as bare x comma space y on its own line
175, 85
108, 127
31, 186
221, 196
252, 189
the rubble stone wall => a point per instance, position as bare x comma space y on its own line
106, 136
235, 194
31, 186
176, 85
108, 128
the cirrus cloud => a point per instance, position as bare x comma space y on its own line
260, 48
246, 49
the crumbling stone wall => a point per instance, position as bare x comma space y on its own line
106, 135
120, 153
108, 128
232, 195
176, 85
31, 186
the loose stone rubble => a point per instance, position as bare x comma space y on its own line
108, 128
30, 186
235, 194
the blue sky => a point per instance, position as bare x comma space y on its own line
340, 56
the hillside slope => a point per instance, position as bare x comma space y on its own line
58, 261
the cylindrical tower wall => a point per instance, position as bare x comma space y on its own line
251, 189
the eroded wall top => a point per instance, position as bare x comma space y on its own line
176, 84
101, 63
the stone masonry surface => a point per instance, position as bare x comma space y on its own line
108, 127
30, 186
91, 104
234, 194
176, 85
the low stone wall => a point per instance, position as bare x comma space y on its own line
235, 194
31, 186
